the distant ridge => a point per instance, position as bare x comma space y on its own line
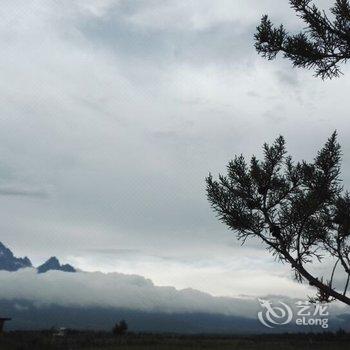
54, 264
8, 262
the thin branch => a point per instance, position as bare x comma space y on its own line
333, 271
346, 286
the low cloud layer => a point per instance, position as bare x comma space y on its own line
84, 289
114, 290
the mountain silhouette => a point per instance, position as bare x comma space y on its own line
9, 262
54, 264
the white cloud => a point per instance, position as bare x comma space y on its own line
122, 108
95, 8
212, 271
113, 290
116, 290
200, 14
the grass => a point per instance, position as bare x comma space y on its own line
75, 340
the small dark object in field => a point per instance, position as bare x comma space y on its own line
2, 322
120, 328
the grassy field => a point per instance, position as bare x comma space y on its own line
101, 340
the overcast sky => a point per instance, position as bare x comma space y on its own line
112, 114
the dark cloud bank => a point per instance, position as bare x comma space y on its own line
96, 300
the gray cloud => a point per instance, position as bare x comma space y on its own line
125, 291
23, 192
114, 290
113, 251
123, 108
